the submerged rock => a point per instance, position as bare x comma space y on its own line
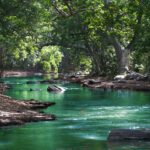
128, 145
34, 89
32, 82
129, 135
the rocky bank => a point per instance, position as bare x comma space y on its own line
17, 112
106, 83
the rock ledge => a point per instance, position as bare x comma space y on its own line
17, 112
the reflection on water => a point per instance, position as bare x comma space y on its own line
84, 118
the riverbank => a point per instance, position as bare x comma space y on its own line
106, 83
18, 112
91, 82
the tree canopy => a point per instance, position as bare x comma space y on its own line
104, 37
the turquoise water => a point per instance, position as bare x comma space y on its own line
84, 118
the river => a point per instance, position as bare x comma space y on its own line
84, 118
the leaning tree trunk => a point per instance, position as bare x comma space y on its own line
121, 52
121, 55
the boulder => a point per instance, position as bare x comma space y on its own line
54, 88
93, 81
120, 77
129, 135
135, 76
132, 76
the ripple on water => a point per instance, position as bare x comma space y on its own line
90, 136
71, 127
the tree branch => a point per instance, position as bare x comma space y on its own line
60, 12
69, 7
137, 29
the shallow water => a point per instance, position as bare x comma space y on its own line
84, 118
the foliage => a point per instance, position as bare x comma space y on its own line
103, 31
50, 58
97, 35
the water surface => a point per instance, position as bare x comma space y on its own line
84, 118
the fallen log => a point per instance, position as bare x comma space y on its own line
129, 135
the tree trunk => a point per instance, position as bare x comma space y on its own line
121, 54
95, 59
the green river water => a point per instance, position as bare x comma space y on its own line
84, 118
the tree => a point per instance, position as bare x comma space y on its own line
50, 58
101, 25
22, 26
107, 35
123, 47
